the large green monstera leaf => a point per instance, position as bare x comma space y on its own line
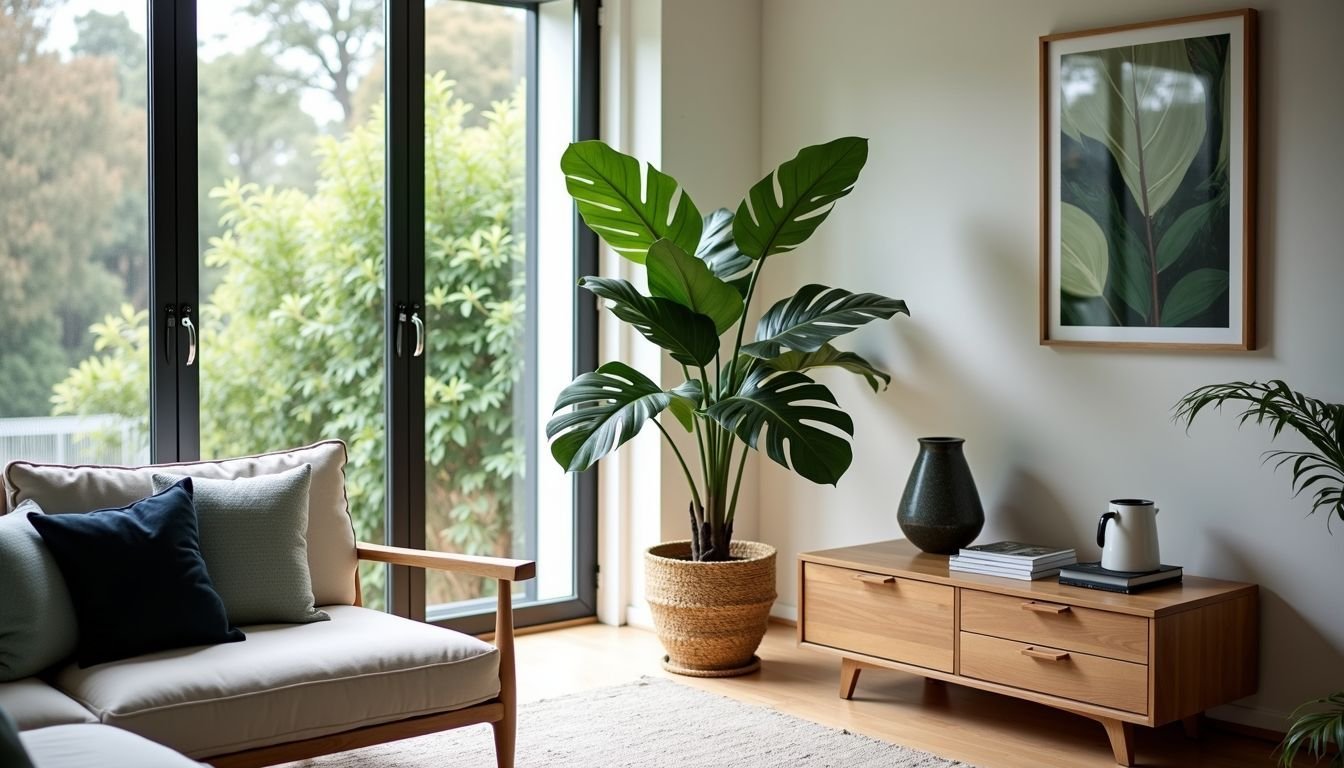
607, 185
786, 207
688, 336
815, 315
830, 357
613, 403
676, 275
789, 407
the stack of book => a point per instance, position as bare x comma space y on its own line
1013, 560
1093, 576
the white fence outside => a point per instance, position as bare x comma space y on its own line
73, 440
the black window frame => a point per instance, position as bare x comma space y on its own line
174, 275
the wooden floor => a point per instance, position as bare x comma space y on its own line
983, 729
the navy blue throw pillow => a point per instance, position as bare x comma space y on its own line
136, 577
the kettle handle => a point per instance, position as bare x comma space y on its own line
1101, 527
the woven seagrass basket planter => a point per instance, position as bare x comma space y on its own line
710, 617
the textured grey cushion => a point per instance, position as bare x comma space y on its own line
83, 746
290, 682
34, 704
62, 489
37, 618
254, 544
12, 753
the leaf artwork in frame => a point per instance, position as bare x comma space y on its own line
1148, 216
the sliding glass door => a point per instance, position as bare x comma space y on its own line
245, 225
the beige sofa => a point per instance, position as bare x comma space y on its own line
289, 691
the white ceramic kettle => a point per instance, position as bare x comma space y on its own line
1127, 535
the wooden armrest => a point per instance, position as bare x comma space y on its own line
488, 567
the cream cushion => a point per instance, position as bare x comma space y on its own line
83, 746
34, 704
288, 682
331, 535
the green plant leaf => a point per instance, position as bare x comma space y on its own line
786, 207
1176, 240
1130, 274
830, 357
607, 185
1193, 294
789, 407
1083, 257
679, 276
613, 403
1146, 105
718, 249
687, 336
815, 315
1275, 404
686, 399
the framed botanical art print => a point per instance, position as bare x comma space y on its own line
1148, 184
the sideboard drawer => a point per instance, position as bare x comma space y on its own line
1071, 675
1100, 633
892, 618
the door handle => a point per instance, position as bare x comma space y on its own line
874, 578
191, 334
401, 328
1045, 607
170, 333
1045, 654
419, 331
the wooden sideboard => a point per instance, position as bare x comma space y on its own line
1147, 659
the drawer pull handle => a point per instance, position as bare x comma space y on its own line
1037, 653
1045, 607
874, 578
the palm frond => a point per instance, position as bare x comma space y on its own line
1275, 404
1313, 730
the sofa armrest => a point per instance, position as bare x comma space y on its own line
487, 567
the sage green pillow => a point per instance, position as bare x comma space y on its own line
37, 618
255, 545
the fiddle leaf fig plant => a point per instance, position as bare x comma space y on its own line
703, 273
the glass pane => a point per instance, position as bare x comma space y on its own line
74, 276
481, 431
292, 247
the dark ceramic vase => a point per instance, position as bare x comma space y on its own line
940, 510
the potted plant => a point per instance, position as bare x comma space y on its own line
1317, 723
710, 595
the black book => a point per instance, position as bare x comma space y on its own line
1116, 588
1094, 576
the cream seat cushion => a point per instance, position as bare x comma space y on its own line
288, 682
34, 704
331, 535
84, 746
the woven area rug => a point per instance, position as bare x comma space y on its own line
652, 722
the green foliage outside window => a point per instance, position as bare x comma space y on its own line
293, 333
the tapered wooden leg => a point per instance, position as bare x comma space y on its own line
506, 730
849, 677
505, 734
1121, 735
1191, 725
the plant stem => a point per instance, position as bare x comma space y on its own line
1143, 189
699, 437
742, 321
685, 470
737, 484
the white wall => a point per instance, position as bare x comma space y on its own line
681, 89
945, 217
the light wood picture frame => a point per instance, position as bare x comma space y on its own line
1148, 177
